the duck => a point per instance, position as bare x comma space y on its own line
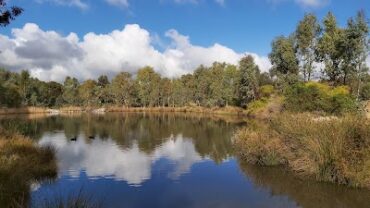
91, 137
73, 139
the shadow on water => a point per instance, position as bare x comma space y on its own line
305, 192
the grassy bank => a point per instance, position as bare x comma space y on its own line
229, 110
24, 110
327, 148
21, 165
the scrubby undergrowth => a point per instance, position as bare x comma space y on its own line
328, 148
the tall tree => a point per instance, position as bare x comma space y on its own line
147, 82
248, 87
306, 34
231, 80
102, 91
87, 92
122, 88
165, 91
356, 48
24, 86
70, 91
8, 14
329, 48
201, 91
283, 56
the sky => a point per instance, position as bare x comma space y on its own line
87, 38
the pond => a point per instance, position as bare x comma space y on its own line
165, 160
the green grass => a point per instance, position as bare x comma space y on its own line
328, 148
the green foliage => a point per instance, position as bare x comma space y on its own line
70, 93
9, 97
365, 92
87, 91
248, 86
329, 49
147, 83
283, 56
313, 96
306, 33
122, 89
266, 91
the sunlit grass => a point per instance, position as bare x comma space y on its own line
21, 164
329, 148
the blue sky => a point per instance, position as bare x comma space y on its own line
244, 25
239, 25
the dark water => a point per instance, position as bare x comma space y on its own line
166, 160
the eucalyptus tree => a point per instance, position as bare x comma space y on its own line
330, 48
283, 56
24, 86
103, 91
122, 88
165, 91
230, 85
248, 86
356, 48
307, 33
201, 83
70, 91
87, 92
147, 83
216, 85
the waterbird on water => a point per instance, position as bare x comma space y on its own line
74, 139
91, 137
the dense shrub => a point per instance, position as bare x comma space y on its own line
313, 96
365, 92
9, 97
266, 90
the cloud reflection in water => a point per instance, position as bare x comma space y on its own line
104, 158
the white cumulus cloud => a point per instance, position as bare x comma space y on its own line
49, 55
312, 3
119, 3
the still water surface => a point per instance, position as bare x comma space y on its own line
167, 160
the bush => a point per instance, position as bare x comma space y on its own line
365, 92
266, 91
21, 164
313, 96
329, 148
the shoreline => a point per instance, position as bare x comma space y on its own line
229, 110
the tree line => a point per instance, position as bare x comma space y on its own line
218, 85
324, 52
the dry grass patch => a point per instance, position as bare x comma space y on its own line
335, 150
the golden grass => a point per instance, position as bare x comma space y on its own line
23, 110
265, 107
21, 164
335, 150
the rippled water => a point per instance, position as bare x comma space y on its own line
166, 160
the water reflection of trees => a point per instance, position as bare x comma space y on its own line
210, 136
305, 192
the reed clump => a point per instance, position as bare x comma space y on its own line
22, 163
329, 149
